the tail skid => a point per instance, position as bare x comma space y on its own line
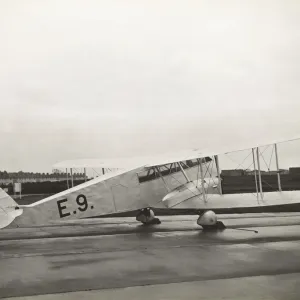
9, 209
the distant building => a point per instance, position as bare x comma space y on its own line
294, 171
252, 172
237, 172
273, 172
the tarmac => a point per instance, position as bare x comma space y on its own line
256, 257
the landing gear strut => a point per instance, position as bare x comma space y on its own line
147, 217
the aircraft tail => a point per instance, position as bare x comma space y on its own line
9, 209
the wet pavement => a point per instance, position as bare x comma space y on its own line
111, 254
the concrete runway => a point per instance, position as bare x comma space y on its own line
121, 259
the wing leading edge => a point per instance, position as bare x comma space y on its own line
170, 157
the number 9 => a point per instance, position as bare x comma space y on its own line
83, 203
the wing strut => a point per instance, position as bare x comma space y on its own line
259, 173
218, 172
255, 177
162, 178
277, 166
183, 172
202, 180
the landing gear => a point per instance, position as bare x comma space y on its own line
218, 226
154, 221
147, 217
208, 221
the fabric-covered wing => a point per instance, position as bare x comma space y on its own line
171, 157
210, 151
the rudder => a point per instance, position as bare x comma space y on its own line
9, 209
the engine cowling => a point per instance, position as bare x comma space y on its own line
146, 215
208, 218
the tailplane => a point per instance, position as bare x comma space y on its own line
9, 209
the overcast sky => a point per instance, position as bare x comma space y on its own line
94, 79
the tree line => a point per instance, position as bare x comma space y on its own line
32, 175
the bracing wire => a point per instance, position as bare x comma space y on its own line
194, 194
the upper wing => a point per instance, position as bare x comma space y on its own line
214, 150
171, 157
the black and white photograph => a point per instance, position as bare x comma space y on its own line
150, 149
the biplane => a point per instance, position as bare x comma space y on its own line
187, 180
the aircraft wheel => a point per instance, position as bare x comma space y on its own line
154, 221
218, 226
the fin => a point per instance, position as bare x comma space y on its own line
9, 209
